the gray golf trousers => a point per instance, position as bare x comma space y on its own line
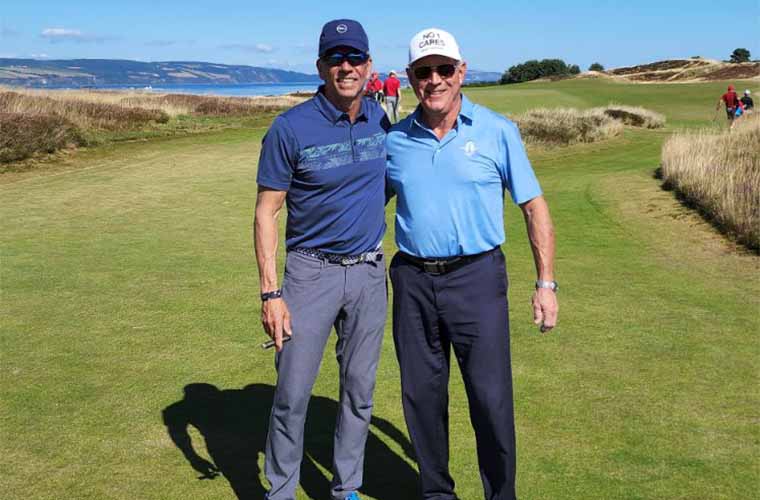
391, 102
320, 295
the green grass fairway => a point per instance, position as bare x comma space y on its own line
128, 274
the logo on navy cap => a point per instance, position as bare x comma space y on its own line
341, 28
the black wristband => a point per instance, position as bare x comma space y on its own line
274, 294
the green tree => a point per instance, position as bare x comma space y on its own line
533, 69
740, 56
596, 67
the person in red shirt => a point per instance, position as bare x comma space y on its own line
374, 87
392, 90
731, 101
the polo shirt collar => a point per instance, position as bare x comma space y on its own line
466, 111
332, 113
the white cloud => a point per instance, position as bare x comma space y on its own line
61, 33
261, 48
39, 56
161, 43
55, 35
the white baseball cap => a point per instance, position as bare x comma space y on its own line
433, 41
747, 92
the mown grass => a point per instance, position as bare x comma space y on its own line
130, 275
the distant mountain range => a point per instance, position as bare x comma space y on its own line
98, 72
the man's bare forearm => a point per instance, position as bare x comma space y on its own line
268, 206
541, 236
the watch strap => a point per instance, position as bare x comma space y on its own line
274, 294
552, 285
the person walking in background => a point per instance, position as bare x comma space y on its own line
747, 101
449, 163
326, 157
392, 91
374, 87
731, 101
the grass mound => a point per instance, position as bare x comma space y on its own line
563, 126
720, 174
635, 116
23, 135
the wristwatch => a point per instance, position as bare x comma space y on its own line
552, 285
274, 294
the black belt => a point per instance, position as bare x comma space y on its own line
343, 260
443, 266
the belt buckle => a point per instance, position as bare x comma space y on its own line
347, 261
434, 266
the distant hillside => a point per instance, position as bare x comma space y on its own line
683, 70
90, 72
473, 75
95, 72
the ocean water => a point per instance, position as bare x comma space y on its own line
252, 89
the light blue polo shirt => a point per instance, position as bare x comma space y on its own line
450, 193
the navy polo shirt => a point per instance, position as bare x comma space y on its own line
334, 173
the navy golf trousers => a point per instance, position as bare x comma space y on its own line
466, 309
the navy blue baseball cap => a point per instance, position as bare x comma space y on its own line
343, 32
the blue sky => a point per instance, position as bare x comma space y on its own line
493, 35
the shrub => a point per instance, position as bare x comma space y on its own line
22, 135
596, 67
720, 174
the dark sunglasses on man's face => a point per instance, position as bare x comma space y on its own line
443, 70
353, 58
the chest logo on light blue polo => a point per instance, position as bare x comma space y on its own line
469, 148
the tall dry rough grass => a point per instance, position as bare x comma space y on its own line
563, 126
635, 116
54, 119
186, 104
82, 113
720, 173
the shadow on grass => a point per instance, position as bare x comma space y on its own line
742, 241
233, 423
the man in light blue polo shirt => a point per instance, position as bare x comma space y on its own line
449, 164
326, 158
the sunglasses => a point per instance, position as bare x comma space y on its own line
353, 58
443, 70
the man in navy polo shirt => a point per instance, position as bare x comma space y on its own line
449, 164
326, 158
